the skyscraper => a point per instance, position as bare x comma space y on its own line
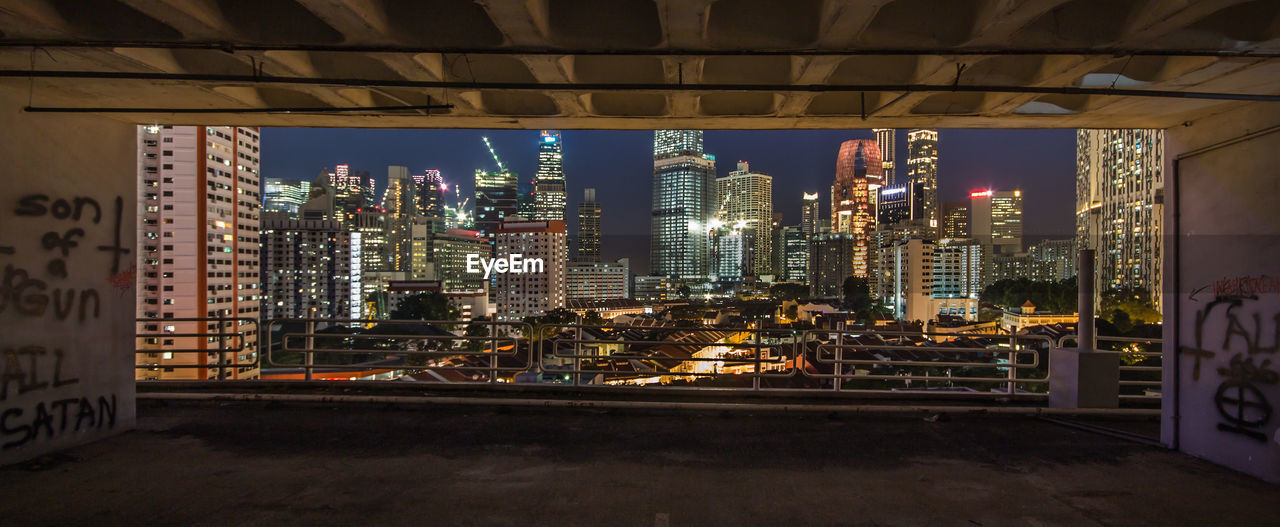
401, 206
198, 245
283, 196
495, 200
683, 204
922, 166
810, 214
858, 169
830, 262
954, 218
531, 291
996, 222
745, 201
901, 203
429, 191
886, 139
549, 198
913, 279
309, 264
1120, 205
589, 215
795, 255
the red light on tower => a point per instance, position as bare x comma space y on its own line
980, 194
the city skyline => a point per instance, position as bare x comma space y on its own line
619, 164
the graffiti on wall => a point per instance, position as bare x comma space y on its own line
1235, 338
77, 243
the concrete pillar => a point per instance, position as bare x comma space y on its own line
1221, 387
67, 261
1082, 377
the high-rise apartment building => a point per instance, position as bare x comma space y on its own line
535, 289
589, 216
831, 256
810, 214
922, 166
285, 197
1120, 206
495, 200
957, 269
199, 206
549, 190
1054, 260
596, 281
745, 201
683, 204
954, 216
449, 252
858, 173
310, 264
913, 279
886, 139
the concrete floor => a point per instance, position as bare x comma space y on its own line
277, 464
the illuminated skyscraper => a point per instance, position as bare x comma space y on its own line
535, 289
745, 201
589, 213
810, 214
886, 139
495, 199
683, 204
549, 199
858, 170
1120, 205
996, 224
401, 206
284, 197
922, 166
954, 220
430, 189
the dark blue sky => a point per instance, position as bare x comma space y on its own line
619, 164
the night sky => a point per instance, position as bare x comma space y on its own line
619, 165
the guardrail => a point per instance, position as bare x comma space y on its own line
624, 355
156, 338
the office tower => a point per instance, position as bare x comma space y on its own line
913, 279
957, 268
858, 170
777, 260
683, 204
549, 197
745, 201
731, 247
886, 139
1053, 260
535, 288
400, 204
430, 189
589, 215
810, 214
954, 218
922, 165
495, 200
831, 256
375, 236
795, 254
198, 251
997, 219
903, 202
284, 197
1120, 204
309, 264
650, 288
596, 281
449, 252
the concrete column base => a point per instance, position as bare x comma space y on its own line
1083, 380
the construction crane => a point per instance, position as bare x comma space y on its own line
501, 168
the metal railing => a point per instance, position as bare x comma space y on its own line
1143, 374
230, 337
575, 354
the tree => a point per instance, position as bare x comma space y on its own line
425, 306
592, 318
1134, 303
857, 296
477, 328
786, 292
684, 291
555, 317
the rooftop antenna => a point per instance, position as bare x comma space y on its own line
494, 154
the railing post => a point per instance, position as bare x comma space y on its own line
1013, 358
755, 379
839, 366
493, 351
222, 345
308, 358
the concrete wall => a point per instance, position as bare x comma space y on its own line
67, 216
1222, 304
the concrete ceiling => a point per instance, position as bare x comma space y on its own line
642, 64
